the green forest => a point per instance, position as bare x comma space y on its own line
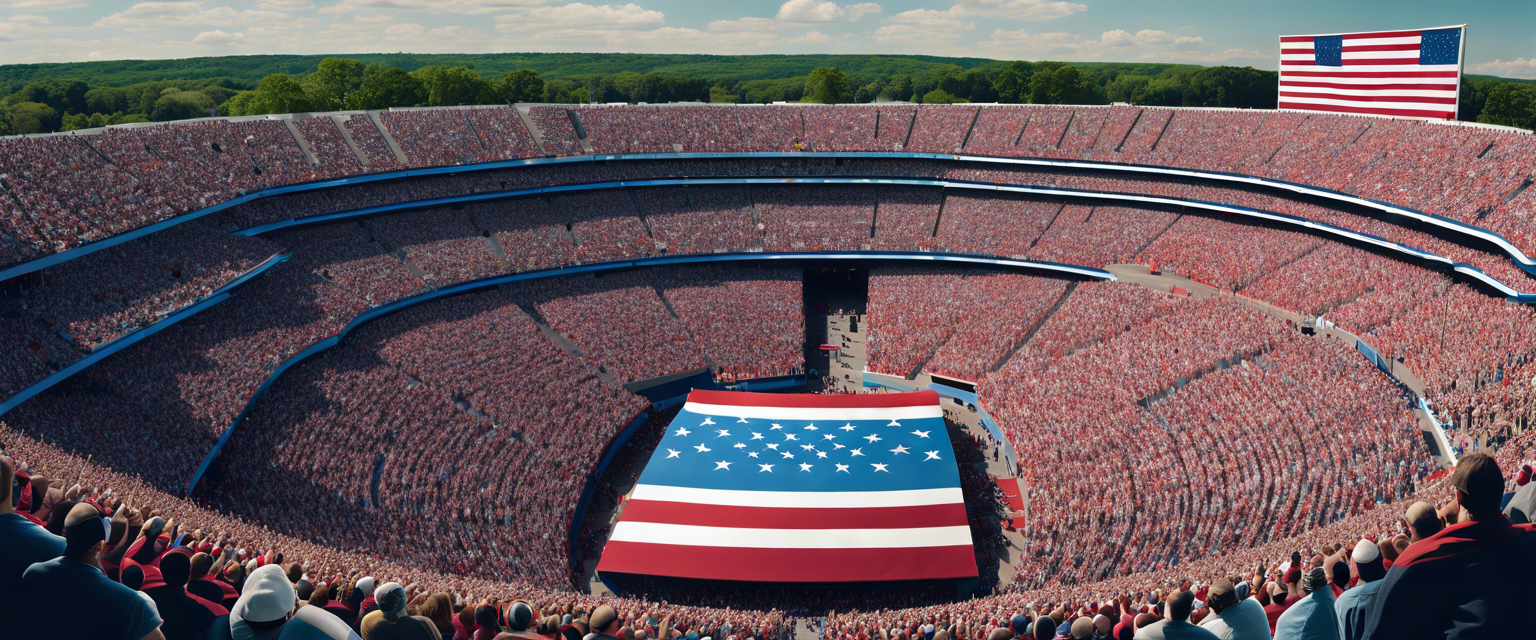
65, 96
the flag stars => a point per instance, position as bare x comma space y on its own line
776, 426
899, 450
836, 446
807, 447
740, 445
787, 454
805, 466
707, 421
879, 467
893, 423
702, 449
828, 437
742, 420
774, 446
842, 468
858, 452
848, 427
790, 436
872, 438
681, 432
921, 434
751, 454
757, 436
765, 468
672, 453
821, 454
811, 427
723, 433
722, 465
932, 455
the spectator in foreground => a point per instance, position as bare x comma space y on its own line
1470, 579
1423, 521
1234, 619
24, 543
1176, 626
268, 610
391, 622
1312, 617
1352, 606
116, 611
519, 618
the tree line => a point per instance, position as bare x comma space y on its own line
335, 84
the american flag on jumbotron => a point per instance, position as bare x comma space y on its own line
798, 488
1404, 74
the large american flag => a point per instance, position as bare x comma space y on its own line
798, 488
1405, 74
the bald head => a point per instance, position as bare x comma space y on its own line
84, 532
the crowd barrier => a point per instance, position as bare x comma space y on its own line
1518, 257
490, 283
1304, 225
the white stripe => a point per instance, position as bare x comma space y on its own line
799, 499
696, 536
1303, 57
1367, 91
1449, 84
817, 413
1296, 45
1371, 105
1377, 55
1357, 42
1297, 66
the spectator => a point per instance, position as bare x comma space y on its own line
1312, 617
391, 622
186, 616
1176, 625
1470, 578
1351, 607
116, 610
519, 617
24, 542
1422, 520
1233, 618
269, 609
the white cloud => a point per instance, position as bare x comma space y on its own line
748, 23
218, 37
45, 5
949, 19
285, 5
433, 6
812, 37
908, 34
18, 25
1117, 44
823, 11
1517, 68
146, 15
578, 15
1027, 10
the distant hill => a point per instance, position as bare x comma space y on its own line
248, 70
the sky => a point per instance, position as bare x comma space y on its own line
1501, 35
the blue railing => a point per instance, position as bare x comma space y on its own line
1517, 256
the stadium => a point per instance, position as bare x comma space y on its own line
1168, 358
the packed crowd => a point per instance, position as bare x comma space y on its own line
955, 323
146, 174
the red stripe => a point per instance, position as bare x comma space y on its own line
1402, 113
1388, 98
815, 400
934, 515
1382, 34
1407, 46
1367, 62
788, 565
1357, 36
1363, 74
1299, 52
1387, 86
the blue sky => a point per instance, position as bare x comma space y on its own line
1501, 37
